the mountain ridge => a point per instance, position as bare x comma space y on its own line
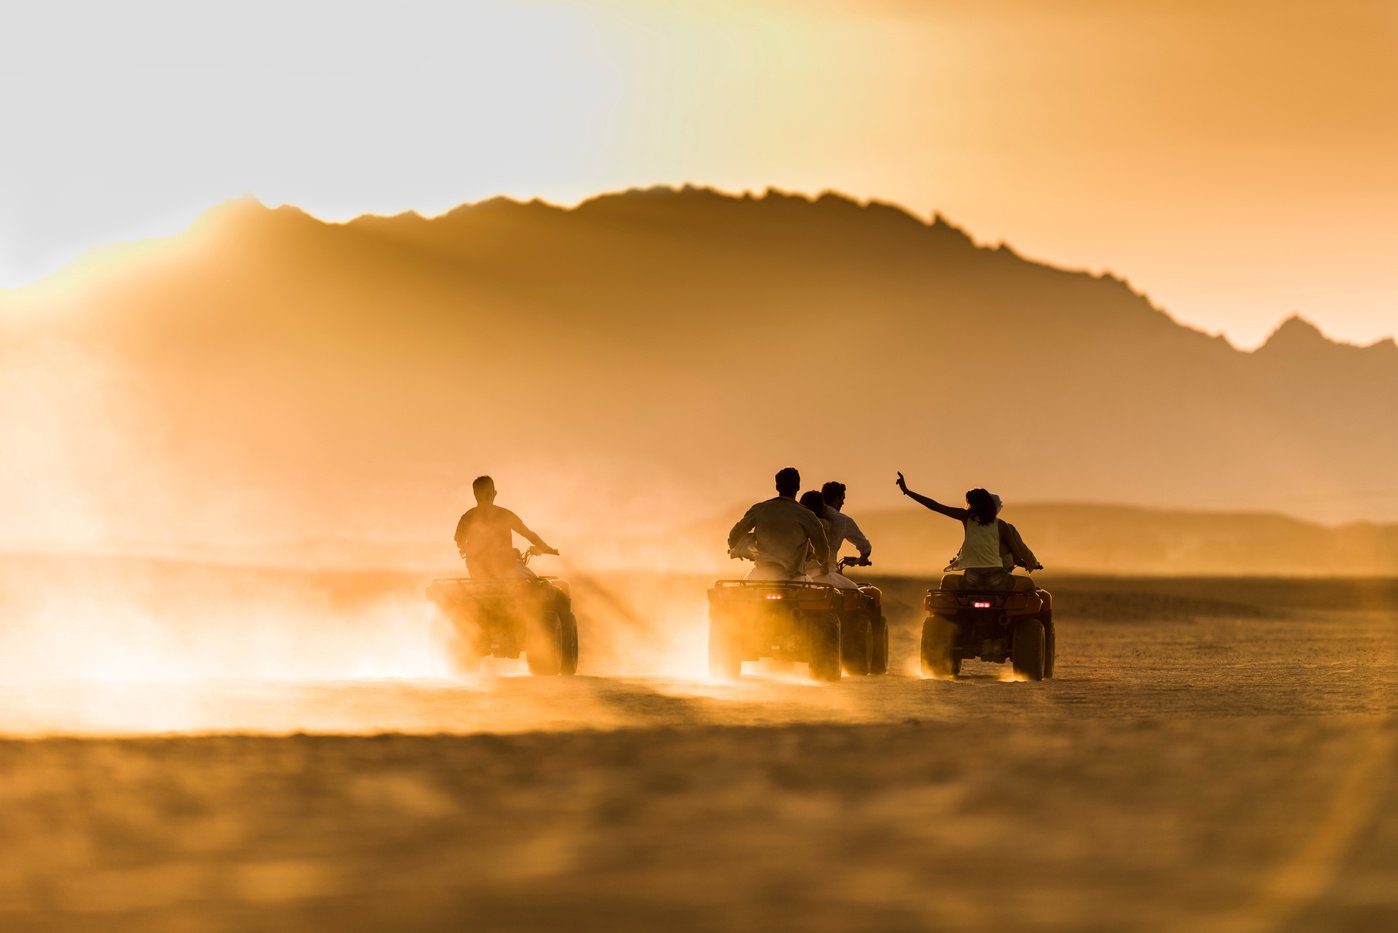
628, 361
249, 205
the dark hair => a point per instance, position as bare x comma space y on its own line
480, 483
982, 505
814, 501
832, 491
788, 481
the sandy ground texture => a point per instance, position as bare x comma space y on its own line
1213, 755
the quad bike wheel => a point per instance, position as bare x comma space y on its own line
857, 645
825, 647
568, 662
939, 658
1048, 643
543, 647
1027, 648
878, 664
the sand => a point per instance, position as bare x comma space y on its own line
1212, 756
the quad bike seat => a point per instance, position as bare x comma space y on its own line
1022, 583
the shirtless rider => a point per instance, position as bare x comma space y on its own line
484, 537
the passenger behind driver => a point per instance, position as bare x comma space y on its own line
842, 528
778, 532
483, 537
815, 502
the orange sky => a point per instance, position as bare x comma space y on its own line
1234, 160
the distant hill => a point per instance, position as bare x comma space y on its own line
634, 362
1069, 538
1135, 541
1082, 538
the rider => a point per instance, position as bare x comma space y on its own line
842, 527
483, 537
991, 547
815, 502
776, 533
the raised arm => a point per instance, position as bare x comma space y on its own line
949, 511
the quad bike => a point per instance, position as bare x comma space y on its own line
860, 607
501, 618
998, 626
831, 629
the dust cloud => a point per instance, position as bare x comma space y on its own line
133, 620
136, 646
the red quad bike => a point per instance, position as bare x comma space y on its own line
998, 626
831, 629
501, 618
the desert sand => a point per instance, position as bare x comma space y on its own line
1213, 755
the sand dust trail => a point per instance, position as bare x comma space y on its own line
1188, 769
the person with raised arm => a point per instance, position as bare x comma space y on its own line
991, 547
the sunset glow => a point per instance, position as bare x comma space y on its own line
1233, 163
697, 465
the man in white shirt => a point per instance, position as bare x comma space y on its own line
842, 527
780, 531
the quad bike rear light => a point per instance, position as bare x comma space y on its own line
937, 600
981, 604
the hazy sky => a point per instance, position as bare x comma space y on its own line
1235, 160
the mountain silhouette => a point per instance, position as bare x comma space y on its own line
644, 357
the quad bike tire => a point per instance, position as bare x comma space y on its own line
725, 663
1048, 643
878, 663
857, 645
826, 657
939, 659
1027, 648
568, 660
543, 648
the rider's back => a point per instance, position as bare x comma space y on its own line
981, 547
783, 528
484, 537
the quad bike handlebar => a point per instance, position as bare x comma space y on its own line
854, 562
535, 551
